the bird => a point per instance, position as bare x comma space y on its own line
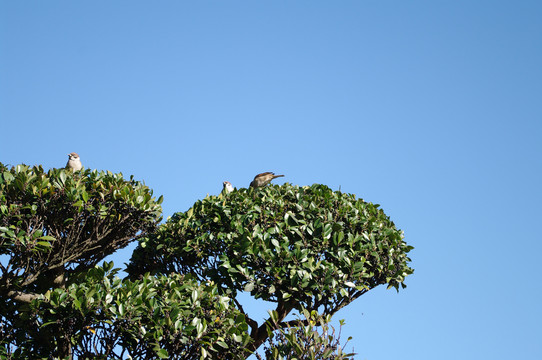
74, 162
228, 187
263, 179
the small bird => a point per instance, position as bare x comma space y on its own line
74, 162
263, 179
228, 187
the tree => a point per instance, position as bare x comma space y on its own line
303, 248
308, 249
54, 226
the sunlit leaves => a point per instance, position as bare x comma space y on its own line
85, 215
54, 225
151, 317
310, 245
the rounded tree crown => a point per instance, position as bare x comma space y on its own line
309, 246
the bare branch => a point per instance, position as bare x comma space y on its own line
22, 297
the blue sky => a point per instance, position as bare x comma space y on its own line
432, 109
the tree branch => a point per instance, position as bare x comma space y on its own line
296, 323
22, 297
252, 323
260, 335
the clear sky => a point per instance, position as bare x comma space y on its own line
432, 109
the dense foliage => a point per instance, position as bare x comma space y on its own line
56, 220
166, 317
299, 247
308, 249
57, 224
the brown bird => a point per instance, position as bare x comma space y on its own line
74, 162
263, 179
228, 187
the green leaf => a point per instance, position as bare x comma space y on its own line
249, 287
162, 354
62, 177
108, 298
44, 244
194, 296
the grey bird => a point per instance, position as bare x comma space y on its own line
263, 179
74, 162
228, 187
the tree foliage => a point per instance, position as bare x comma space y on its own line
171, 317
299, 247
312, 338
308, 249
58, 220
57, 224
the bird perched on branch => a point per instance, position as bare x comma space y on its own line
228, 187
263, 179
74, 162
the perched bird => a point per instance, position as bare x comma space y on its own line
227, 186
74, 162
263, 179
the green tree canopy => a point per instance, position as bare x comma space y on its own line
300, 247
308, 249
171, 317
57, 224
